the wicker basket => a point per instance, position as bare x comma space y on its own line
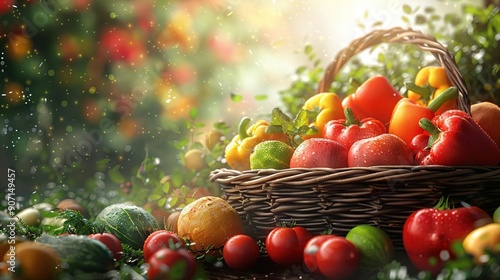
339, 199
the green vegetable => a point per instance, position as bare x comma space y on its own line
80, 253
374, 245
131, 224
271, 154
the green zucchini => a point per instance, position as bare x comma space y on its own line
131, 224
79, 253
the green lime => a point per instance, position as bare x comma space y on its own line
271, 154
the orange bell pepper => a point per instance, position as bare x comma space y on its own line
408, 113
375, 98
430, 82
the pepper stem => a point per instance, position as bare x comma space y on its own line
434, 132
242, 128
426, 91
446, 95
350, 118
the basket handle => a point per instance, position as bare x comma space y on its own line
400, 36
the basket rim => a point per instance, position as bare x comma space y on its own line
355, 175
399, 35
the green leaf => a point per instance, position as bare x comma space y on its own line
274, 129
115, 175
193, 113
261, 97
177, 178
407, 9
420, 19
199, 125
102, 164
429, 10
162, 201
184, 191
236, 97
154, 196
303, 118
308, 49
166, 187
172, 201
300, 70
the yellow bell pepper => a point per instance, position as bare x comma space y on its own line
328, 106
483, 238
430, 82
240, 148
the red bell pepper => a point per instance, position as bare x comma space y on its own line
407, 114
456, 139
349, 130
429, 233
375, 98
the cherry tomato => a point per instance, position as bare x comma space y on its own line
240, 252
171, 264
111, 241
337, 258
311, 249
285, 246
161, 239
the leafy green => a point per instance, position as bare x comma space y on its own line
295, 128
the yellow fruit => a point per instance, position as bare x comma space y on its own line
30, 216
483, 238
194, 160
212, 138
172, 221
33, 261
72, 204
209, 222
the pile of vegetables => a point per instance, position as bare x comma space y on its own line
124, 241
374, 126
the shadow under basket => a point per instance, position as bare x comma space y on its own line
339, 199
384, 196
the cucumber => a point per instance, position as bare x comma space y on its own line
130, 223
80, 254
374, 245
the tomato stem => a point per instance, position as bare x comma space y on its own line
443, 204
350, 118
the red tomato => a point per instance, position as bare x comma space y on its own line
285, 246
311, 249
429, 234
171, 264
161, 239
319, 152
241, 252
111, 241
385, 149
337, 258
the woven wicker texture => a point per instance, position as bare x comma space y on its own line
339, 199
